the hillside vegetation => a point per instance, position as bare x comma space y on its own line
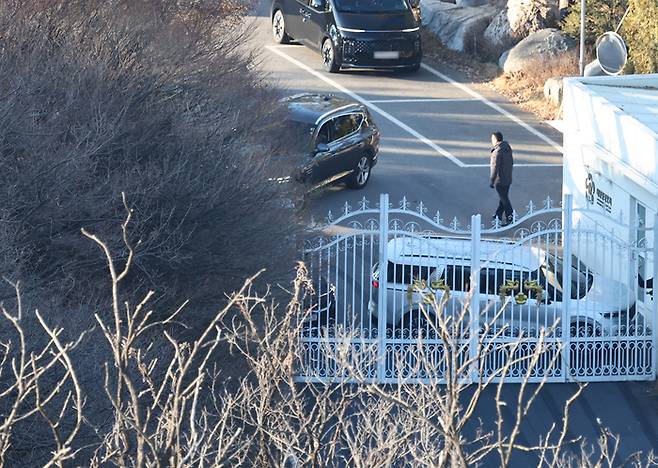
157, 99
639, 28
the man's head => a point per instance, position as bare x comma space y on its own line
496, 137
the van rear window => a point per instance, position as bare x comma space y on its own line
406, 274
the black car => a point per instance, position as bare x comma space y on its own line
352, 33
338, 138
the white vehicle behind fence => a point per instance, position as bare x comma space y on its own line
520, 286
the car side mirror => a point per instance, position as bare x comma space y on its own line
317, 4
322, 148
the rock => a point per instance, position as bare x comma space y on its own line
538, 47
518, 20
459, 28
553, 90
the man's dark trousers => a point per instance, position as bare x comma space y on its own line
504, 205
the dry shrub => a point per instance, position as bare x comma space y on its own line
473, 67
159, 99
171, 408
527, 88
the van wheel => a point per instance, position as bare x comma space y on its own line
361, 174
279, 28
584, 330
329, 56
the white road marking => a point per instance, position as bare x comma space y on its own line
493, 105
382, 101
372, 106
407, 128
521, 165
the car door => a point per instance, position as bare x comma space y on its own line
320, 168
314, 21
348, 143
294, 11
523, 311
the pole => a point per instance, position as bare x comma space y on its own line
382, 312
567, 231
474, 316
654, 319
581, 62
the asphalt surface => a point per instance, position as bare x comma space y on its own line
435, 146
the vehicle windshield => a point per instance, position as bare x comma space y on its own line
371, 6
581, 277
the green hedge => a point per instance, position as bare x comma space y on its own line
640, 30
601, 16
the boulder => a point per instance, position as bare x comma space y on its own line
553, 90
518, 20
458, 27
538, 47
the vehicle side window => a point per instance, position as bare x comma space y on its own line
403, 274
320, 5
324, 133
491, 279
457, 277
357, 119
342, 126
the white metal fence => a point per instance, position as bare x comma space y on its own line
402, 297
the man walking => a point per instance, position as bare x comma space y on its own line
502, 163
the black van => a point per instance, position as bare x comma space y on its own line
352, 33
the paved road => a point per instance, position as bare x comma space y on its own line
435, 149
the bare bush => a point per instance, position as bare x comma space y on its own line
172, 408
158, 99
527, 88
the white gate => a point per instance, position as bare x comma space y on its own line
402, 297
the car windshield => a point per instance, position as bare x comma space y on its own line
581, 276
371, 6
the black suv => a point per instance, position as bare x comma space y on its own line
338, 137
352, 33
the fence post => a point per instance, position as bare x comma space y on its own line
654, 319
382, 312
474, 306
567, 228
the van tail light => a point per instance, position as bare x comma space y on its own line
375, 283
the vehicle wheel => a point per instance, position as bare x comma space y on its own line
329, 56
361, 174
584, 330
279, 28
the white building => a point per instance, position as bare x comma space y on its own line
611, 162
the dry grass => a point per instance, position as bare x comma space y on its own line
527, 88
473, 67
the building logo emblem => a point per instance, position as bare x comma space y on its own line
590, 189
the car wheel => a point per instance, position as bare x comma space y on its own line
279, 28
329, 56
584, 330
361, 174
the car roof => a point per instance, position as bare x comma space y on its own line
310, 108
437, 251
